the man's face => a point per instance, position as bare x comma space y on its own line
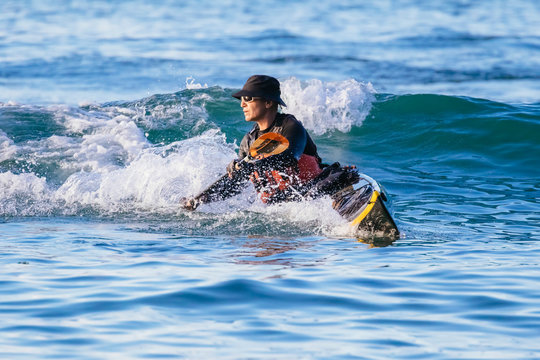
255, 109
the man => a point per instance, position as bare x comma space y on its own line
276, 178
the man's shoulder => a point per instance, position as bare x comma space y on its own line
285, 120
286, 117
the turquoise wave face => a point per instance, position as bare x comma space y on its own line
425, 132
446, 133
453, 135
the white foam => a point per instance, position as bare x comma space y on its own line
24, 194
326, 106
103, 159
318, 214
192, 85
158, 177
105, 142
9, 103
180, 112
7, 147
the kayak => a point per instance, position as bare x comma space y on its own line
366, 206
356, 197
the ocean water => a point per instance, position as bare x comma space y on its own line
112, 111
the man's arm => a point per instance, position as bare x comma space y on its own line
225, 187
297, 136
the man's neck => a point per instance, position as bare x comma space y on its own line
267, 121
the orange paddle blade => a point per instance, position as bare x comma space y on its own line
268, 144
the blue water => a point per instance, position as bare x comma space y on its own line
111, 112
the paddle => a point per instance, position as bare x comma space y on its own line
266, 145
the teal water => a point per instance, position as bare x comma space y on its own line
110, 113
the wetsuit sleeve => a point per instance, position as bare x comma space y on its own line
225, 187
228, 186
244, 147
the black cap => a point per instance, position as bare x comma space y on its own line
262, 86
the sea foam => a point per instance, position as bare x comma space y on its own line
158, 177
7, 147
326, 106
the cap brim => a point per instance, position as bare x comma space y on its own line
243, 92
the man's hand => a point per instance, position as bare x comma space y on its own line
232, 167
189, 204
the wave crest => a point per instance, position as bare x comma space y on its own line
326, 106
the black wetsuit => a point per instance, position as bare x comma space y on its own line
285, 124
299, 143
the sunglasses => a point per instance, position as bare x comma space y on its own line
249, 98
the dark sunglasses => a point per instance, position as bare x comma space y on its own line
249, 98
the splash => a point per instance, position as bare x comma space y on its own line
192, 85
318, 215
24, 195
326, 106
156, 179
7, 147
100, 157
